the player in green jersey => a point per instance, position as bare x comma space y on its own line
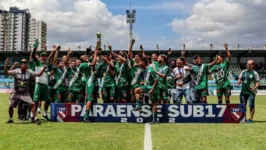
122, 78
60, 74
87, 68
42, 91
221, 73
201, 84
150, 87
106, 71
75, 83
136, 71
162, 72
250, 82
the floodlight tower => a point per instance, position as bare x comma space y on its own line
131, 19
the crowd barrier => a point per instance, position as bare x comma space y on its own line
167, 113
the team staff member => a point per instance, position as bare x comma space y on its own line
250, 82
22, 77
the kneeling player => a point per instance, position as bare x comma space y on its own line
150, 83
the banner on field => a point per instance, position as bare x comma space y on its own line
167, 113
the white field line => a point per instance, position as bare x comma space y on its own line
147, 137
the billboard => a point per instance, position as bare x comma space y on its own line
167, 113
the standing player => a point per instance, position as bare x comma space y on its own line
22, 77
221, 73
162, 74
107, 73
183, 87
136, 72
150, 87
90, 79
42, 91
201, 71
75, 83
60, 74
250, 82
122, 78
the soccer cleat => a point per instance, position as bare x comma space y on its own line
10, 121
31, 119
38, 122
250, 121
154, 121
45, 118
87, 120
38, 112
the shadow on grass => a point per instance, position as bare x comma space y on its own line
259, 121
28, 122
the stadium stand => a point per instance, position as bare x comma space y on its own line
237, 63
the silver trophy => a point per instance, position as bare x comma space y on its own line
99, 38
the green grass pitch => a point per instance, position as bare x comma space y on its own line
126, 136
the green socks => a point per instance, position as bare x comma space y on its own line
138, 103
87, 113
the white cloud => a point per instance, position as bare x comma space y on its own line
78, 23
218, 21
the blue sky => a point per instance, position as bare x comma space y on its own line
169, 23
153, 17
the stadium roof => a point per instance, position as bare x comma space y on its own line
203, 53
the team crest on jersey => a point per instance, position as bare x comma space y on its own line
250, 76
236, 113
62, 112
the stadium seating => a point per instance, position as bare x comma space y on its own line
235, 69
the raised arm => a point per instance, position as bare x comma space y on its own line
52, 54
212, 63
130, 49
142, 51
116, 55
169, 53
67, 58
35, 46
15, 64
94, 60
5, 66
110, 63
228, 54
56, 56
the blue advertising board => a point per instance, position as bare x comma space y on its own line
167, 113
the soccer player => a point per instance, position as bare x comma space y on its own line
250, 82
194, 67
136, 72
106, 70
122, 78
162, 72
60, 74
221, 73
75, 83
150, 87
90, 78
42, 91
22, 77
183, 87
201, 71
